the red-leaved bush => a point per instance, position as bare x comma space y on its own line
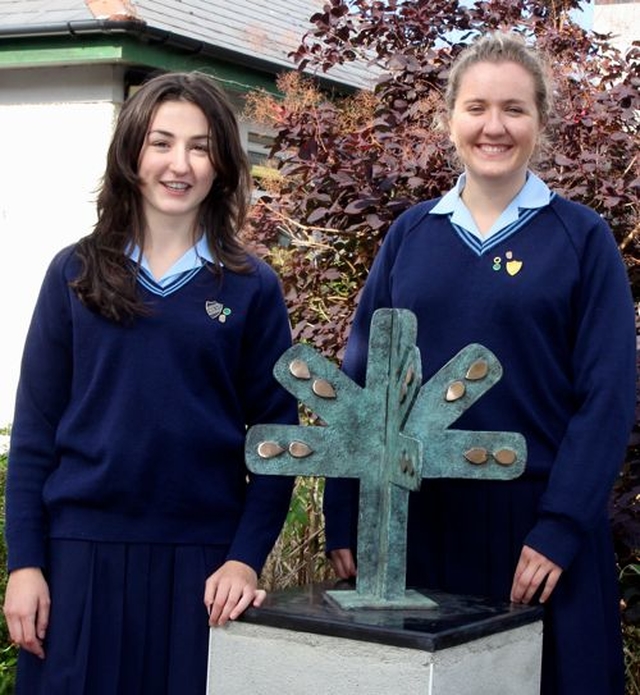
344, 167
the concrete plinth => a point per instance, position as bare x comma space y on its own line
300, 644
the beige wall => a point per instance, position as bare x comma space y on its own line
622, 19
55, 126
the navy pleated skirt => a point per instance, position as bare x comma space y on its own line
465, 537
126, 619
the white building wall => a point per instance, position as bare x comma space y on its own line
55, 127
621, 19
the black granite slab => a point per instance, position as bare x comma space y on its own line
456, 619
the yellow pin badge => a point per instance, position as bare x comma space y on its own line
512, 265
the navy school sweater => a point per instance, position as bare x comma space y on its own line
135, 433
552, 300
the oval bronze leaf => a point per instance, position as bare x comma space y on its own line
299, 369
299, 450
505, 457
267, 450
478, 370
477, 455
322, 388
456, 390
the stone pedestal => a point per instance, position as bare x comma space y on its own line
298, 643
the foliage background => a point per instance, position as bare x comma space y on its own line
8, 653
343, 167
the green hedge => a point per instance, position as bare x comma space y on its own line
8, 652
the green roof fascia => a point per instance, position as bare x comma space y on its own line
55, 51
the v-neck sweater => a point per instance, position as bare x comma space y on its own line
552, 300
135, 433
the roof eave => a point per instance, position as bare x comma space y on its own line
153, 35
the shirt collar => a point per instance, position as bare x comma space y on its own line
195, 257
534, 194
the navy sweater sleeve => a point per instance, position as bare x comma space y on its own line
268, 335
42, 395
592, 450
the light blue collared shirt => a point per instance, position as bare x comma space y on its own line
195, 257
534, 194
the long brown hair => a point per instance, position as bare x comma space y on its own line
107, 281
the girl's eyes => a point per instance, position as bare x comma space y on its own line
165, 144
513, 110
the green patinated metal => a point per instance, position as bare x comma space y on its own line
390, 435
